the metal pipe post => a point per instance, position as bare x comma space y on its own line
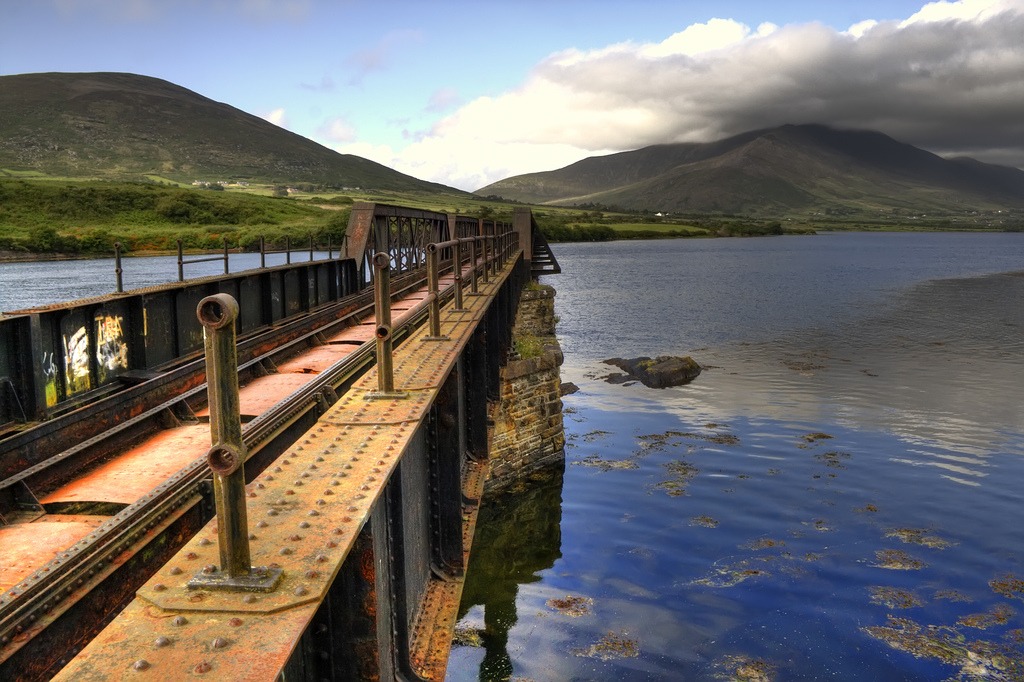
117, 267
217, 314
226, 256
226, 456
487, 263
472, 272
458, 275
181, 263
385, 342
433, 291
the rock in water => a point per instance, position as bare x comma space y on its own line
660, 372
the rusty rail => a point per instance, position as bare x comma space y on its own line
391, 487
37, 606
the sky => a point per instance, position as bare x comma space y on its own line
467, 92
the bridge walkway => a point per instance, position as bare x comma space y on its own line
317, 514
80, 506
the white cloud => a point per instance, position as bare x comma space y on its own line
443, 99
337, 131
950, 78
277, 117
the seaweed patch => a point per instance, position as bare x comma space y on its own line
681, 474
1009, 586
894, 597
745, 669
571, 606
917, 536
611, 646
897, 560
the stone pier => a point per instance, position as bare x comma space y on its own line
528, 430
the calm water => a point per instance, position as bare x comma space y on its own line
23, 285
837, 496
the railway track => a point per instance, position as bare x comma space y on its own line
94, 500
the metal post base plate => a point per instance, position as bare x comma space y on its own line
259, 579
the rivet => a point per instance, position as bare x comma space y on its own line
339, 531
141, 664
321, 558
277, 470
319, 459
161, 642
313, 512
295, 538
203, 667
209, 568
290, 492
304, 524
331, 544
271, 512
219, 643
312, 574
235, 622
335, 483
204, 541
260, 486
252, 536
262, 524
301, 591
297, 483
159, 587
249, 598
285, 551
252, 494
322, 502
269, 478
180, 620
175, 570
328, 492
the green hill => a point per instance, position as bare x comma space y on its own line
806, 169
125, 126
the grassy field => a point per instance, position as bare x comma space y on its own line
47, 215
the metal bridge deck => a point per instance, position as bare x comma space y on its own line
77, 508
306, 513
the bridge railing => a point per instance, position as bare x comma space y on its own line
57, 357
368, 519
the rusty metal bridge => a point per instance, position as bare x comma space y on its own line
282, 487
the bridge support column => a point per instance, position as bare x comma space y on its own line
528, 429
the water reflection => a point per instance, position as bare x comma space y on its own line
518, 536
833, 491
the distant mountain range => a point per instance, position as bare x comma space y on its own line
792, 168
126, 126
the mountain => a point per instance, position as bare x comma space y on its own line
775, 171
121, 125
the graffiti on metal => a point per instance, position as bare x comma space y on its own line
49, 369
76, 361
111, 346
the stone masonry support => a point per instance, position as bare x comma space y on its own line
528, 429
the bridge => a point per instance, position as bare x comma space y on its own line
282, 486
